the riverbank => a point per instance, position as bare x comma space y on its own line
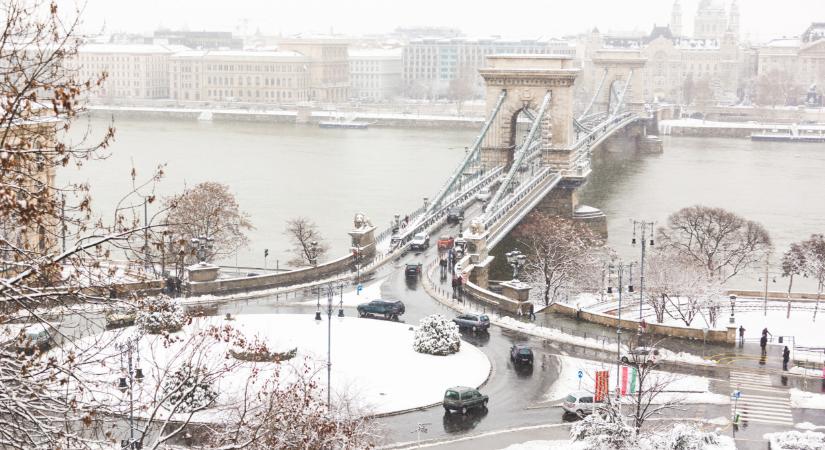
310, 117
740, 130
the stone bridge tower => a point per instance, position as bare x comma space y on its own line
527, 79
616, 66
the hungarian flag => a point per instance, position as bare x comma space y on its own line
629, 376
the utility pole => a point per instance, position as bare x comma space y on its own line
765, 307
645, 228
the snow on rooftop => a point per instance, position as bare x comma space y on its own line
130, 48
390, 53
239, 54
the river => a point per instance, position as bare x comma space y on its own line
280, 171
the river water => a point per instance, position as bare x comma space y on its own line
282, 171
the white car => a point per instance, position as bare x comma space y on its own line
640, 355
484, 195
580, 403
420, 241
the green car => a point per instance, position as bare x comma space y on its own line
462, 398
390, 309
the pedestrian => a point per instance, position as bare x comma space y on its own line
519, 312
786, 356
741, 335
763, 342
532, 311
766, 333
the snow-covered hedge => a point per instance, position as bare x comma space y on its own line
188, 390
160, 314
612, 433
435, 335
796, 440
604, 433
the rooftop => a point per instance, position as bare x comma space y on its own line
135, 49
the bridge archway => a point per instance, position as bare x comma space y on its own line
621, 80
527, 79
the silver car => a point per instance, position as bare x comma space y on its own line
580, 403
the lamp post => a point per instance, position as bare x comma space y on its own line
130, 372
202, 245
516, 259
619, 268
646, 229
732, 305
330, 306
313, 253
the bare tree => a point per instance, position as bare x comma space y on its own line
777, 87
462, 87
814, 263
559, 251
793, 263
308, 246
209, 209
716, 239
679, 288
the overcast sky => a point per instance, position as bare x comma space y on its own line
761, 19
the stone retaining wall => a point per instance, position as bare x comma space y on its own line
268, 281
727, 336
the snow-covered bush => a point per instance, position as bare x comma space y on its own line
608, 432
684, 437
795, 440
158, 314
435, 335
188, 389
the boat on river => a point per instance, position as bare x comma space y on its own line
354, 124
791, 135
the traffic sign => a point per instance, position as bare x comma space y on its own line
359, 288
736, 394
580, 374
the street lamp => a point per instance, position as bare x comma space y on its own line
646, 229
619, 268
313, 251
202, 245
732, 305
330, 306
130, 372
516, 259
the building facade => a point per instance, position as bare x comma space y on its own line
375, 74
328, 65
430, 64
139, 71
239, 76
199, 40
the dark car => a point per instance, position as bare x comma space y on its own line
462, 398
475, 322
455, 215
390, 309
412, 270
521, 354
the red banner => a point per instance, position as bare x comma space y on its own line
602, 378
624, 380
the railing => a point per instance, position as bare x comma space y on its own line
492, 216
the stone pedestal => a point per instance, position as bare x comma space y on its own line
363, 240
516, 290
478, 254
202, 272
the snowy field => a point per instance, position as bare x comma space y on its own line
726, 443
374, 367
683, 388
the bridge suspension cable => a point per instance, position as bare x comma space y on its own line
521, 154
620, 103
470, 157
593, 100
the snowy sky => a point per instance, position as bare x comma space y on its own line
761, 19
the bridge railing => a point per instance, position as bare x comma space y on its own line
493, 216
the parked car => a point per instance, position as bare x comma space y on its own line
521, 354
118, 318
645, 355
475, 322
580, 403
35, 336
420, 241
390, 309
484, 195
413, 270
445, 242
455, 215
462, 398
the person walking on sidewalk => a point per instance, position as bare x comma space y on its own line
786, 356
531, 311
763, 342
741, 335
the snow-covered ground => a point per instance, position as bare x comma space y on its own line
686, 389
809, 400
371, 291
373, 362
796, 440
726, 443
